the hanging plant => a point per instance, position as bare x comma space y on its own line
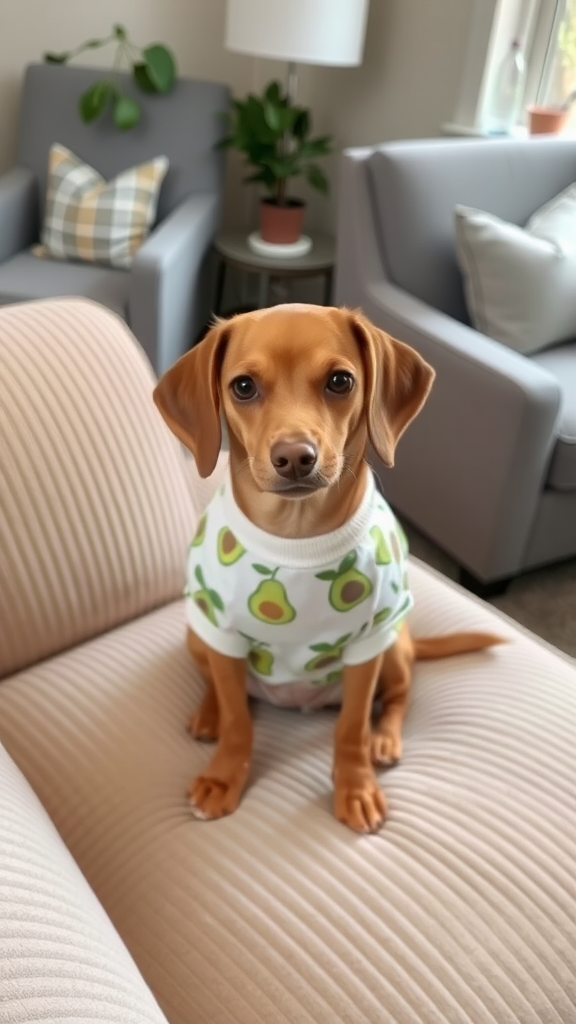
153, 69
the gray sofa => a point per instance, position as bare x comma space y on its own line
164, 296
462, 909
488, 471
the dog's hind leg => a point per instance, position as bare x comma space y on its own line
203, 723
393, 691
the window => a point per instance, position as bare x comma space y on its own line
547, 32
552, 60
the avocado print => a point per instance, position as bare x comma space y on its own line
382, 551
330, 678
200, 531
327, 654
349, 587
259, 658
207, 600
381, 616
269, 602
398, 543
262, 661
228, 548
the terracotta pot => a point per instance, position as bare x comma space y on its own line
281, 224
546, 120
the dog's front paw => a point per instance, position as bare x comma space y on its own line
385, 747
211, 798
360, 804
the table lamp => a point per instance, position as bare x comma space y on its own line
298, 31
329, 32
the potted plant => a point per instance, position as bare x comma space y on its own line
274, 136
153, 69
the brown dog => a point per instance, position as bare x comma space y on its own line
302, 390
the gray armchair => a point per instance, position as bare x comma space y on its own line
163, 297
488, 470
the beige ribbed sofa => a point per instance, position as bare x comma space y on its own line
462, 910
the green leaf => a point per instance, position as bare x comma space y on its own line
316, 178
273, 94
321, 146
320, 647
262, 569
216, 600
56, 58
342, 640
126, 112
142, 78
273, 116
120, 33
252, 123
200, 577
347, 562
301, 125
329, 574
160, 66
283, 121
93, 101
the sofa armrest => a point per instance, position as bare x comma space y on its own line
62, 958
165, 306
480, 450
18, 211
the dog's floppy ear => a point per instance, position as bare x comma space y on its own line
397, 383
187, 395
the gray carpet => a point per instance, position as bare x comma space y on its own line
543, 600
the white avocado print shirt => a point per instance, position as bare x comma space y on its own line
298, 610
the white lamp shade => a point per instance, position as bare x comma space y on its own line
307, 31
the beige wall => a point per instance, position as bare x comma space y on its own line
407, 86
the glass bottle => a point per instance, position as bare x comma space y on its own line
508, 92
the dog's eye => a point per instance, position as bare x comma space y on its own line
244, 388
340, 382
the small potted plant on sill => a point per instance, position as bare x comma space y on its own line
274, 137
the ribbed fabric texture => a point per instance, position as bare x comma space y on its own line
462, 910
95, 513
60, 957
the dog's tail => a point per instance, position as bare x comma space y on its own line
453, 643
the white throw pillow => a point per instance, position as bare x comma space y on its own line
520, 283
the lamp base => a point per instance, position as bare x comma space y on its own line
280, 251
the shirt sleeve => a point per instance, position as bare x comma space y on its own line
380, 637
225, 641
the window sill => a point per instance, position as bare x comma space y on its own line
452, 128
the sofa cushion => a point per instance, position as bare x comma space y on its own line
96, 512
519, 282
561, 361
24, 277
462, 908
60, 956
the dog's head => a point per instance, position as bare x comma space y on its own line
301, 389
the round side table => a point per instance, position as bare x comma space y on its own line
233, 251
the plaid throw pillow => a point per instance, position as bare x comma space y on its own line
98, 221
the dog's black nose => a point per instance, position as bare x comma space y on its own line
294, 460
